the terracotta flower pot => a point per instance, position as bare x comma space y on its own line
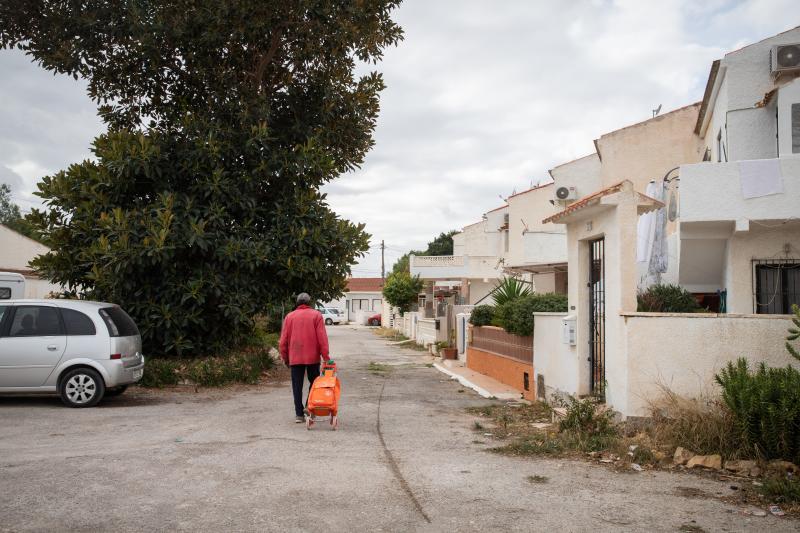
449, 353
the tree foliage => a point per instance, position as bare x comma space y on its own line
10, 215
225, 119
441, 245
402, 290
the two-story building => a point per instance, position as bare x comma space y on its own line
477, 261
740, 209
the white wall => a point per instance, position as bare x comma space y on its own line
713, 192
426, 331
687, 362
478, 289
758, 243
556, 361
787, 96
743, 80
582, 173
375, 303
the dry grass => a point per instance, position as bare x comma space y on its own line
389, 334
704, 425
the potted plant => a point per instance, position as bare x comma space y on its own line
448, 350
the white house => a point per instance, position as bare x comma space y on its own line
732, 225
477, 261
16, 253
739, 210
362, 296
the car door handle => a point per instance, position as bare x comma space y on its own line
52, 347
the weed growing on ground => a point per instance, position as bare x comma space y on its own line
781, 490
477, 426
702, 425
378, 369
538, 479
412, 345
390, 334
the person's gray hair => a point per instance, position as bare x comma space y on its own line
303, 298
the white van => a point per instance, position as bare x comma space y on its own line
330, 315
12, 286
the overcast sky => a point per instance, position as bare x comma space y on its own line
482, 98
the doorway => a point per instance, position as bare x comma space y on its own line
597, 317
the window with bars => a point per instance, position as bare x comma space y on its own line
776, 285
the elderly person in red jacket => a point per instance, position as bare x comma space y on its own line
304, 343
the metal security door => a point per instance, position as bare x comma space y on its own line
597, 317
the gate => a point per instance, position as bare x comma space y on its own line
597, 317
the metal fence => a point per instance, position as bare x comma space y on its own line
499, 341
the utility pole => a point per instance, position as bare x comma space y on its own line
383, 264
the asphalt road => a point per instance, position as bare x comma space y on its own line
404, 459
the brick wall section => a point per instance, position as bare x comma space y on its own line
504, 369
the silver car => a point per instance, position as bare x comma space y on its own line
79, 349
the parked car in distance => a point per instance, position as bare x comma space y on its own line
374, 320
77, 349
331, 315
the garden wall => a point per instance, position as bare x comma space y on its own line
504, 357
683, 352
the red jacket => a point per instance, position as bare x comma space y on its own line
303, 337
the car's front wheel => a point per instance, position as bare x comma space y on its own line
81, 387
374, 322
328, 322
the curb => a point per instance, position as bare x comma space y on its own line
467, 383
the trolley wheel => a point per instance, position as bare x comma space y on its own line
309, 422
334, 422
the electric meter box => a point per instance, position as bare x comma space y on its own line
568, 331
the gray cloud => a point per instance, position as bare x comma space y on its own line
482, 98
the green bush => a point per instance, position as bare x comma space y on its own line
516, 316
243, 367
587, 427
666, 298
766, 408
482, 315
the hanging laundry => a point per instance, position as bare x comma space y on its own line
760, 177
645, 230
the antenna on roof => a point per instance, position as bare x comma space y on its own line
657, 110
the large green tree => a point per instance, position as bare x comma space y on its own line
401, 290
225, 118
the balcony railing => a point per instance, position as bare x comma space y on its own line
438, 261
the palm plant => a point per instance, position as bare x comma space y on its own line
508, 290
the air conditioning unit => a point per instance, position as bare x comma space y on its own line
784, 58
564, 194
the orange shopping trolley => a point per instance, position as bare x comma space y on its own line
323, 398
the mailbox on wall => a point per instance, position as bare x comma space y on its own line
568, 332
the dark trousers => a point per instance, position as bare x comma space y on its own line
298, 372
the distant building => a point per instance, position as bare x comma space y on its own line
16, 253
362, 294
